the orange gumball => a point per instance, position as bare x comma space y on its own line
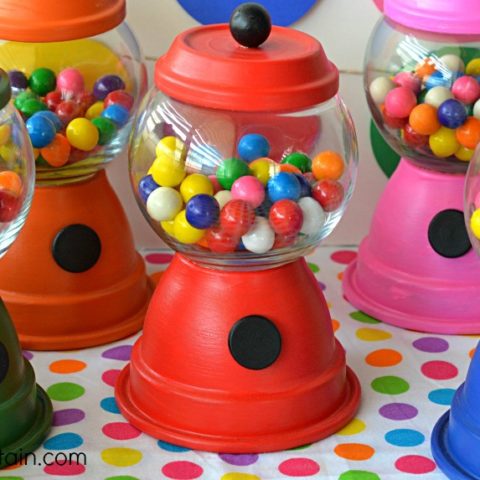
328, 165
11, 181
468, 134
425, 68
289, 168
58, 152
424, 120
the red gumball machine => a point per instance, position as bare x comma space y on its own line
242, 160
73, 279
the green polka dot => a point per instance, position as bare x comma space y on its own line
390, 385
122, 477
358, 475
314, 268
363, 317
64, 392
11, 478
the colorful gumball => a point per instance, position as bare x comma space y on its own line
219, 241
286, 217
391, 121
202, 211
379, 88
11, 182
167, 171
5, 133
314, 217
249, 189
31, 106
299, 160
164, 203
119, 97
57, 153
412, 138
287, 167
146, 186
41, 131
466, 89
42, 81
282, 241
236, 217
106, 130
18, 80
399, 102
9, 206
329, 194
284, 186
85, 100
23, 97
168, 227
70, 82
464, 154
452, 62
230, 170
171, 146
82, 134
53, 100
425, 68
253, 146
438, 79
408, 80
68, 111
195, 184
328, 165
260, 238
262, 168
437, 95
184, 232
452, 113
106, 85
94, 110
423, 119
117, 114
443, 142
53, 117
305, 187
475, 223
468, 135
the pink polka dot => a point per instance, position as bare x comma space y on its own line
415, 464
159, 258
439, 370
120, 431
344, 256
299, 467
110, 377
182, 470
67, 470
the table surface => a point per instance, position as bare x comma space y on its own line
408, 381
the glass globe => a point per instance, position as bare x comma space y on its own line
17, 171
423, 90
77, 99
472, 201
235, 189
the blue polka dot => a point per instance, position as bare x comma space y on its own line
172, 448
442, 396
283, 13
404, 438
64, 441
110, 405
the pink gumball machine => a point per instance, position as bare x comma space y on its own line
242, 160
416, 269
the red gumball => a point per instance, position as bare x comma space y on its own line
282, 241
329, 194
237, 217
412, 138
53, 100
9, 206
219, 241
286, 217
391, 121
67, 111
119, 97
85, 100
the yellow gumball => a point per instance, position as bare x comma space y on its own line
95, 110
167, 172
82, 134
171, 146
262, 169
167, 225
195, 184
473, 67
184, 232
8, 152
475, 223
5, 132
443, 142
464, 154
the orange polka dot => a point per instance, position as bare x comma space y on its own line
340, 276
335, 324
471, 353
67, 366
354, 451
384, 357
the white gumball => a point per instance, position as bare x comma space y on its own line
437, 95
476, 109
453, 62
223, 197
164, 203
380, 87
260, 238
314, 217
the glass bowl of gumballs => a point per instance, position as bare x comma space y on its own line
17, 170
423, 91
233, 189
76, 98
472, 201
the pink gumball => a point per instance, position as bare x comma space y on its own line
466, 89
408, 80
70, 82
399, 102
249, 189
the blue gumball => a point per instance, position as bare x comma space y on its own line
253, 146
439, 79
305, 187
146, 186
53, 117
452, 113
118, 114
202, 211
41, 131
284, 186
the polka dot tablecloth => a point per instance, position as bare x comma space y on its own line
408, 381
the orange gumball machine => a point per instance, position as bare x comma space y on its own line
73, 279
